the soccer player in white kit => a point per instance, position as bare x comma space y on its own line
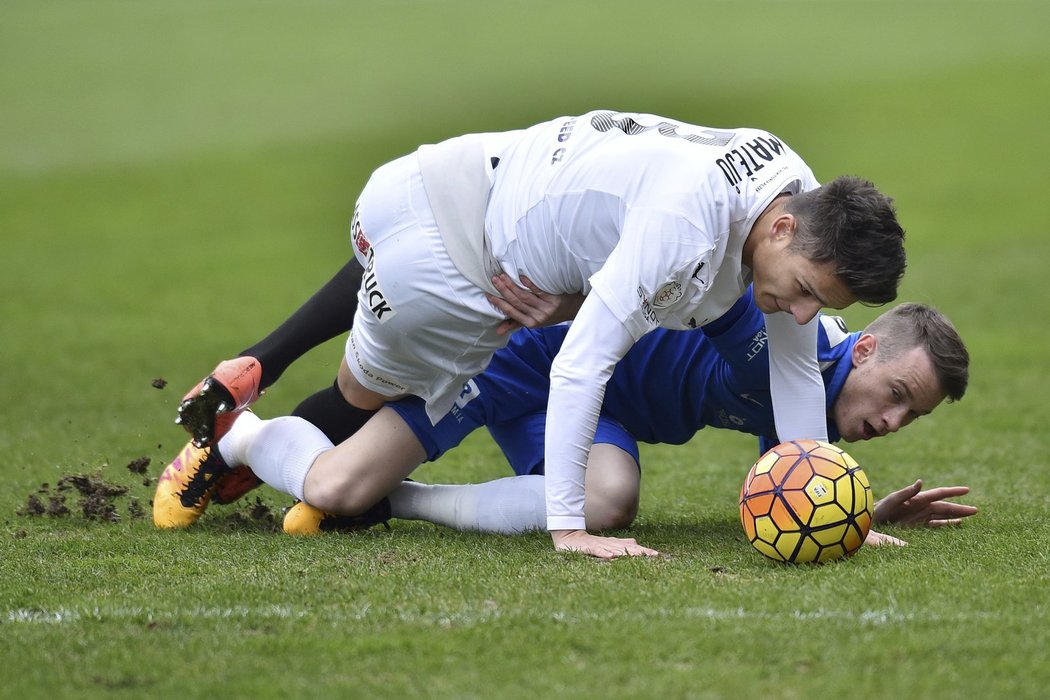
659, 223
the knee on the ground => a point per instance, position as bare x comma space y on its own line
610, 511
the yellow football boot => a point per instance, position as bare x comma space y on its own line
186, 486
303, 519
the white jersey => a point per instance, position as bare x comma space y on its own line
649, 212
646, 215
649, 217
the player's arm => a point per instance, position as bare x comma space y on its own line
797, 389
739, 336
594, 344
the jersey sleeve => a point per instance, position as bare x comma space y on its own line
647, 279
795, 382
739, 336
596, 341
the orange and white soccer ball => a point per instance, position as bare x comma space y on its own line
806, 501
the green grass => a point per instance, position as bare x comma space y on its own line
176, 178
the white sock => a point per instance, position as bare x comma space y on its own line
233, 446
507, 506
280, 451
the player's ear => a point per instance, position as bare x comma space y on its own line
864, 348
783, 227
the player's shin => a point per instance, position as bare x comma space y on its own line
507, 506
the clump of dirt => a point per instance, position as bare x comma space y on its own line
43, 502
97, 498
92, 497
251, 516
160, 383
138, 466
135, 509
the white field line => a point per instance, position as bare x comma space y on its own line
486, 613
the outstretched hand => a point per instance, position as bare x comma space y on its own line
532, 307
913, 507
601, 547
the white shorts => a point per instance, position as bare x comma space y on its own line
421, 327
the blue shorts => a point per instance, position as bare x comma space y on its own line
522, 440
510, 398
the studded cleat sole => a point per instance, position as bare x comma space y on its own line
211, 407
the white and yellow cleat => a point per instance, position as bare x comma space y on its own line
186, 486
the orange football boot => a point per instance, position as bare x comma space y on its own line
211, 407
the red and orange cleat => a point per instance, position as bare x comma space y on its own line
234, 484
211, 407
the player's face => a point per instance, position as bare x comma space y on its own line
790, 282
880, 397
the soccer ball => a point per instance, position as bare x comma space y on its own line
806, 501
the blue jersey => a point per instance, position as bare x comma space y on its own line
670, 385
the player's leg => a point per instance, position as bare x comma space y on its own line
613, 483
517, 504
200, 474
328, 314
296, 458
329, 410
210, 408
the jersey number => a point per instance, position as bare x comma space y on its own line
606, 121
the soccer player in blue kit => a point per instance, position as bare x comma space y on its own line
660, 223
669, 386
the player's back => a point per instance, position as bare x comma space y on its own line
562, 190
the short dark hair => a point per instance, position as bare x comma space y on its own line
917, 325
849, 222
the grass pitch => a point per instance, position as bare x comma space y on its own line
175, 179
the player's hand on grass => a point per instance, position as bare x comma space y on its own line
913, 507
877, 539
532, 307
601, 547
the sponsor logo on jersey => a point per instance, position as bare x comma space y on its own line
357, 232
757, 344
696, 273
668, 294
373, 293
469, 393
647, 308
564, 134
835, 328
371, 374
632, 124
